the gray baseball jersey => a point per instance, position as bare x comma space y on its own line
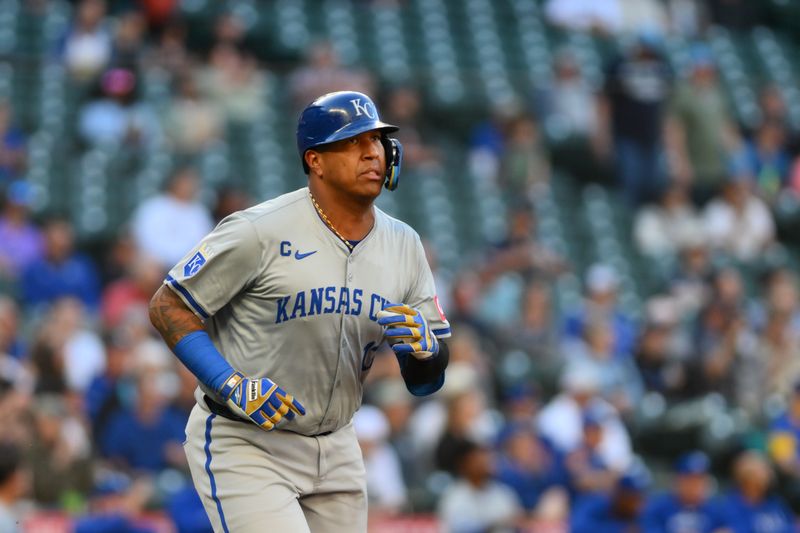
284, 298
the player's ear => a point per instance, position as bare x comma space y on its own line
314, 162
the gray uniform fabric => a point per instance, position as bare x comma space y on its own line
284, 298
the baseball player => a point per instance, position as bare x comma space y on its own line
279, 312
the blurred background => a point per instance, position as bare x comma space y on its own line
609, 192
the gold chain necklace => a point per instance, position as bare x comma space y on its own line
328, 223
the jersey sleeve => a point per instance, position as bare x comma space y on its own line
423, 296
218, 268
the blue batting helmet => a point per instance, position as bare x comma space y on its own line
336, 116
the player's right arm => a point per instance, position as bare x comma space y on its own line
260, 400
203, 282
171, 317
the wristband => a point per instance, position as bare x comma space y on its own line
201, 357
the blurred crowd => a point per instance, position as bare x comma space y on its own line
682, 414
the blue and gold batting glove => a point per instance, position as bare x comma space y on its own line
407, 331
259, 400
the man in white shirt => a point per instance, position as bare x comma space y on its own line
474, 502
739, 222
170, 224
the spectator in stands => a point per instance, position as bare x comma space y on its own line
187, 512
569, 110
132, 293
604, 18
700, 130
532, 470
192, 123
169, 53
474, 502
86, 48
391, 396
21, 242
619, 380
177, 209
689, 283
13, 146
768, 159
638, 86
778, 351
568, 105
128, 39
465, 413
61, 272
115, 505
322, 74
117, 117
561, 420
588, 472
147, 436
688, 506
386, 487
13, 485
783, 443
525, 166
230, 199
109, 389
234, 84
67, 354
60, 453
620, 511
739, 223
520, 404
16, 396
12, 342
404, 109
229, 28
662, 229
662, 367
536, 330
780, 295
749, 506
725, 341
600, 304
488, 140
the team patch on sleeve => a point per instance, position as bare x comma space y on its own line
194, 265
196, 262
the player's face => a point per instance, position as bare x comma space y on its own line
356, 165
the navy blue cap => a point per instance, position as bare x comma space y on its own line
695, 462
636, 479
519, 391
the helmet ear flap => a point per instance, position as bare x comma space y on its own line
394, 161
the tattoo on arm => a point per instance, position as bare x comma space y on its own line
171, 317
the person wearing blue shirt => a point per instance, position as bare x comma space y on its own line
749, 507
527, 464
587, 471
687, 508
147, 436
618, 512
61, 272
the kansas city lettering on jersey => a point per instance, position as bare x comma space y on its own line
326, 301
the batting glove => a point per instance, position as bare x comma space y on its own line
407, 331
259, 400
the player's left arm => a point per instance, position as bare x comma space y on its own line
415, 330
